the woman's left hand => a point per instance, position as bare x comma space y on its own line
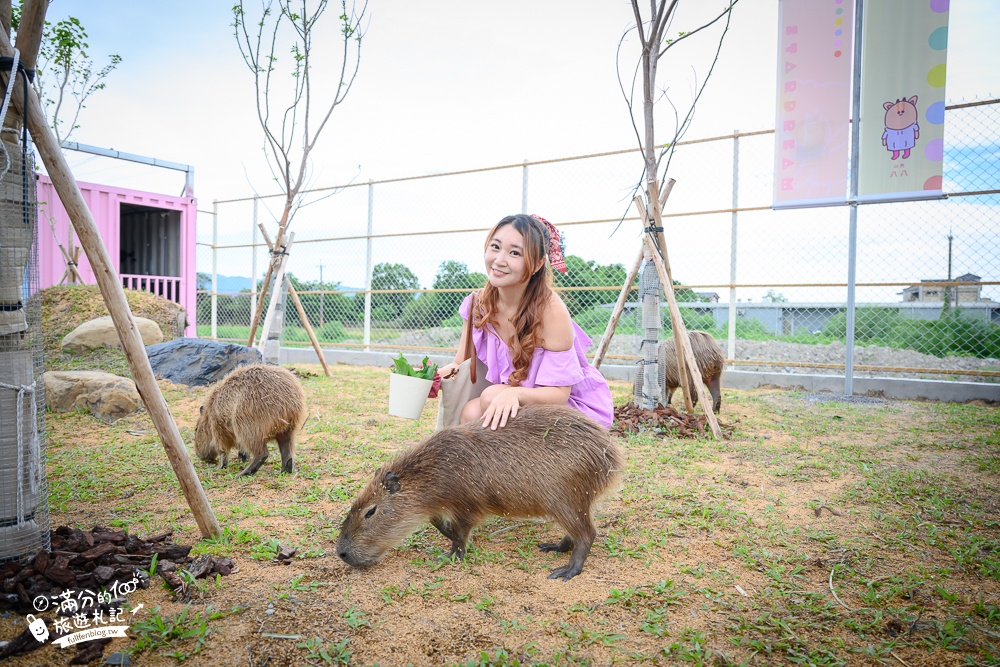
503, 407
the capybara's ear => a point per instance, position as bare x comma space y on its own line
391, 482
888, 105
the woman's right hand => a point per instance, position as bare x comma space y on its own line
447, 370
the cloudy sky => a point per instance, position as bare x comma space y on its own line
443, 85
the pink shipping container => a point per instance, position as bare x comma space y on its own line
150, 238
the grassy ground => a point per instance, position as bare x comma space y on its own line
822, 533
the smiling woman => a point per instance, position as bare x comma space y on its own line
522, 331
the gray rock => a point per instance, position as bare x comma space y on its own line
101, 331
107, 396
196, 362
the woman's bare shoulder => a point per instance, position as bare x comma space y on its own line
557, 325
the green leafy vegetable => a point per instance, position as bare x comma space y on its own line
403, 367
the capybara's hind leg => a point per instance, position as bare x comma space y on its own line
256, 462
286, 447
562, 546
715, 388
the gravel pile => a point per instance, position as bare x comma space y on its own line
779, 352
782, 353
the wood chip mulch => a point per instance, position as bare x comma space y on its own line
664, 421
91, 568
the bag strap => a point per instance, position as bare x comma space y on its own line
469, 349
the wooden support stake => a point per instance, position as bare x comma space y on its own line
302, 316
617, 313
70, 275
683, 342
114, 297
684, 371
272, 266
279, 276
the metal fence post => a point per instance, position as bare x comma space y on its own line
215, 270
253, 262
731, 343
852, 237
524, 188
368, 270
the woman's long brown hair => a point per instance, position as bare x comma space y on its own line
536, 295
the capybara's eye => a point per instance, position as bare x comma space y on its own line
369, 513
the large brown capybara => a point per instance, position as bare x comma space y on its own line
710, 360
246, 409
549, 461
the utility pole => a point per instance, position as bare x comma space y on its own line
322, 296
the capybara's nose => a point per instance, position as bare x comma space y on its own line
343, 555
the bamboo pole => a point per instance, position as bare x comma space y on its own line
114, 297
602, 349
302, 315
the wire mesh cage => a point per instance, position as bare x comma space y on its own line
24, 514
382, 266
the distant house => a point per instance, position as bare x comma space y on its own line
710, 297
150, 238
930, 290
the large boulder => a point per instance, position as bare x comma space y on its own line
107, 396
101, 331
196, 362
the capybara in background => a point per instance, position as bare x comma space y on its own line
549, 461
246, 409
710, 360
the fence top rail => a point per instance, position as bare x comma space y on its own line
736, 134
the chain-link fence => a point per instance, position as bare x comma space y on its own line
383, 265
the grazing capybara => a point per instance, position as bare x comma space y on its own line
549, 461
710, 360
246, 409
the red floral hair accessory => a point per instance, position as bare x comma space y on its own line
555, 252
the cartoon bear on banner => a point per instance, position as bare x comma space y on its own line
901, 128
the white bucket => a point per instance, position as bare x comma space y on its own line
407, 395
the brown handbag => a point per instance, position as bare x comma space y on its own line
465, 384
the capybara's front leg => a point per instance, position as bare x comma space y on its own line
561, 547
255, 463
287, 450
443, 526
460, 529
715, 388
581, 533
576, 560
223, 460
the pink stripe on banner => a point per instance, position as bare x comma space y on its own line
812, 131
